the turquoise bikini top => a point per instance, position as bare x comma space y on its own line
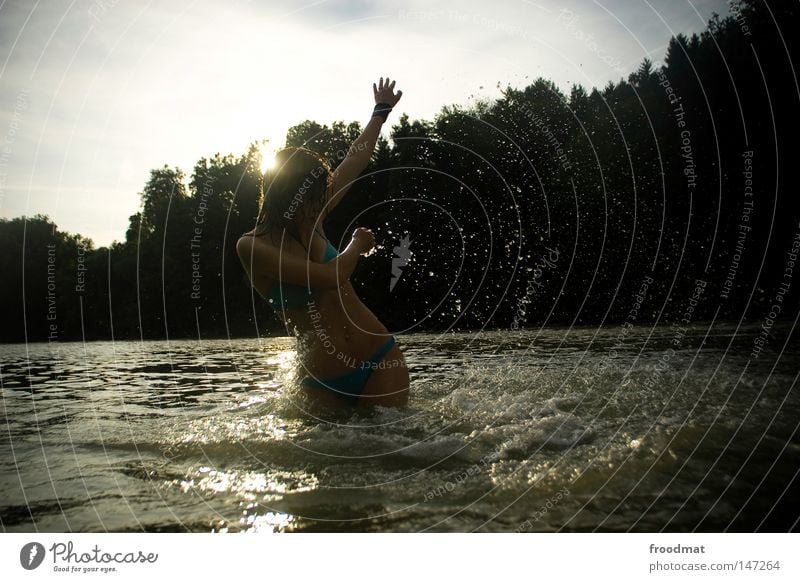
288, 296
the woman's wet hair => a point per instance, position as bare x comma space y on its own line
297, 184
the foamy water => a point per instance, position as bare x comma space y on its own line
548, 430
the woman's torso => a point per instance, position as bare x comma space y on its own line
335, 331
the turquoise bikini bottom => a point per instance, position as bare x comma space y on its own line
350, 386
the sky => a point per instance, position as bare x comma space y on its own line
96, 93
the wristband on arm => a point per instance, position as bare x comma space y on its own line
381, 110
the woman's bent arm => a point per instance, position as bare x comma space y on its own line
267, 262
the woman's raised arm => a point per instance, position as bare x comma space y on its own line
361, 150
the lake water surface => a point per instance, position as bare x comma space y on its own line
544, 430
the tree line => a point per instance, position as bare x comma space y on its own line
533, 207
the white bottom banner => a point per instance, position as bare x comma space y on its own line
353, 557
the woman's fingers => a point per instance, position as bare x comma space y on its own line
385, 84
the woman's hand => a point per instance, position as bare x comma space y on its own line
365, 240
384, 92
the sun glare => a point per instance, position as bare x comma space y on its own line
267, 158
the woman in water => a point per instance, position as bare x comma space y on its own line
344, 353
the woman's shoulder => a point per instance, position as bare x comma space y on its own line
246, 238
247, 241
251, 240
255, 234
